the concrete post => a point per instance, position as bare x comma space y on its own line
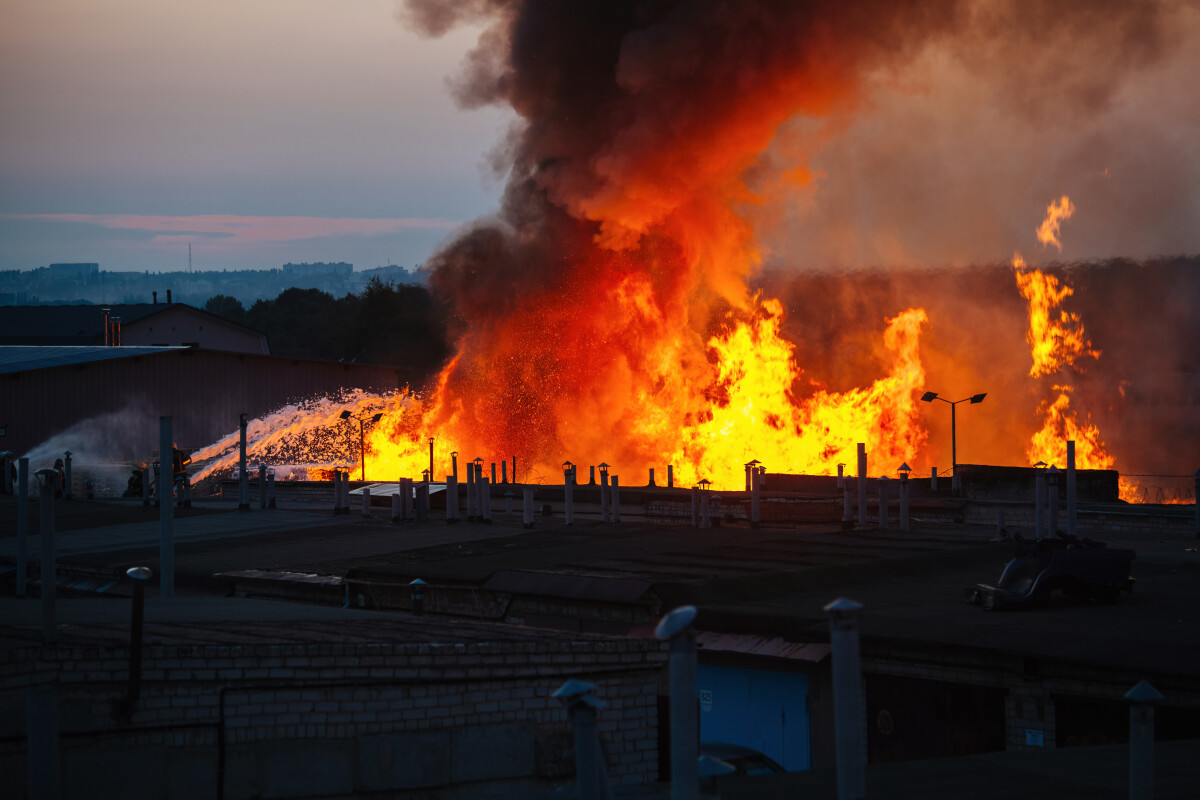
270, 489
1052, 496
676, 628
366, 501
569, 495
346, 492
493, 483
715, 512
591, 778
470, 492
423, 502
933, 479
451, 499
418, 595
651, 483
749, 477
849, 747
1039, 501
904, 488
755, 499
66, 475
862, 485
528, 509
695, 506
405, 499
841, 481
48, 567
514, 468
480, 493
883, 503
41, 706
1072, 496
262, 487
847, 503
22, 525
670, 476
1142, 699
396, 508
454, 464
605, 510
166, 512
244, 483
485, 506
705, 512
1196, 500
591, 476
139, 575
504, 472
616, 498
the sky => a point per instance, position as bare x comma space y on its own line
279, 131
260, 132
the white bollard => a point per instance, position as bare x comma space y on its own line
1072, 497
451, 499
755, 500
1142, 699
1052, 504
485, 504
366, 501
1039, 502
849, 748
569, 495
528, 507
166, 512
862, 485
22, 525
48, 570
616, 498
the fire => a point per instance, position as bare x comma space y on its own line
1057, 344
1056, 212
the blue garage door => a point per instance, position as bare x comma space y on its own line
760, 709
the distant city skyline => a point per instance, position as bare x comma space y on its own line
261, 133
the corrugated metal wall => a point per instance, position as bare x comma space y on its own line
204, 391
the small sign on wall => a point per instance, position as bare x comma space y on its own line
1034, 738
706, 699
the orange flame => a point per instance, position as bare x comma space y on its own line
1056, 212
1054, 343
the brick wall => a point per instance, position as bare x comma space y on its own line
325, 719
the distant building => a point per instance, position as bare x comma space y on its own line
341, 269
136, 324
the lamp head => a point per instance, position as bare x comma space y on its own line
345, 414
377, 417
978, 398
929, 397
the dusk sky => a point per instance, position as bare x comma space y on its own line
260, 132
322, 130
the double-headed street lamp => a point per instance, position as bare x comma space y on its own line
929, 397
362, 435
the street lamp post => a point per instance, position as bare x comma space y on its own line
929, 397
362, 436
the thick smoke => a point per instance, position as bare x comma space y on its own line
664, 152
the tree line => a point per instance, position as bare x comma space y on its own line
391, 325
